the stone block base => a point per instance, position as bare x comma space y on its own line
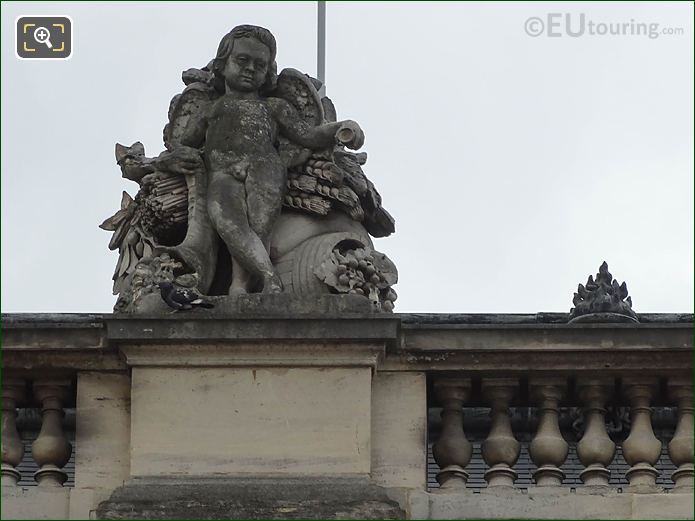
250, 498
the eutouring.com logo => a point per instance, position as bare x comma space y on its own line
556, 25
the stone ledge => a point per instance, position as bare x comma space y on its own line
247, 354
250, 498
234, 328
35, 502
540, 505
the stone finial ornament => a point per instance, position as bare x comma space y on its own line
602, 300
256, 191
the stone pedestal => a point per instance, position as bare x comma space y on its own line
218, 405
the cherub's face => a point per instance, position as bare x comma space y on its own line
247, 65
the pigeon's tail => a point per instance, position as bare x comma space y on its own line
200, 303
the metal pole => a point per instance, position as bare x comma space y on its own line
321, 47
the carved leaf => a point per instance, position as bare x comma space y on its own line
125, 261
112, 222
134, 259
126, 200
615, 287
119, 235
121, 152
590, 284
115, 273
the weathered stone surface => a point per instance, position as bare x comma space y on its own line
399, 429
541, 503
103, 430
663, 506
266, 420
545, 348
251, 498
35, 503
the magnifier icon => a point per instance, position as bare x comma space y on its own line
43, 35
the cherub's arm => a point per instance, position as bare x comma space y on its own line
185, 157
321, 136
194, 134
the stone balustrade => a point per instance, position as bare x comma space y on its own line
548, 448
500, 448
51, 450
681, 445
452, 451
512, 405
13, 394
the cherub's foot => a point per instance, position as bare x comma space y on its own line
272, 284
235, 291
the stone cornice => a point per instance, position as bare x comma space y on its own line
540, 343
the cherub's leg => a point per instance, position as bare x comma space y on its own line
240, 279
265, 187
228, 213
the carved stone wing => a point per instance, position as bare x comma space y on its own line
191, 103
299, 91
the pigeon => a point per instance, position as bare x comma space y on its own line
179, 298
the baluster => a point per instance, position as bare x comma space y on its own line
595, 450
500, 449
51, 450
681, 446
548, 448
452, 451
12, 446
641, 449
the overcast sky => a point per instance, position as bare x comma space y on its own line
513, 164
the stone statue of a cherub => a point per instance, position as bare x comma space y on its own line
256, 169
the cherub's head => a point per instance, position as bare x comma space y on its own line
245, 60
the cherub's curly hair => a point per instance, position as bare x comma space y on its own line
261, 34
